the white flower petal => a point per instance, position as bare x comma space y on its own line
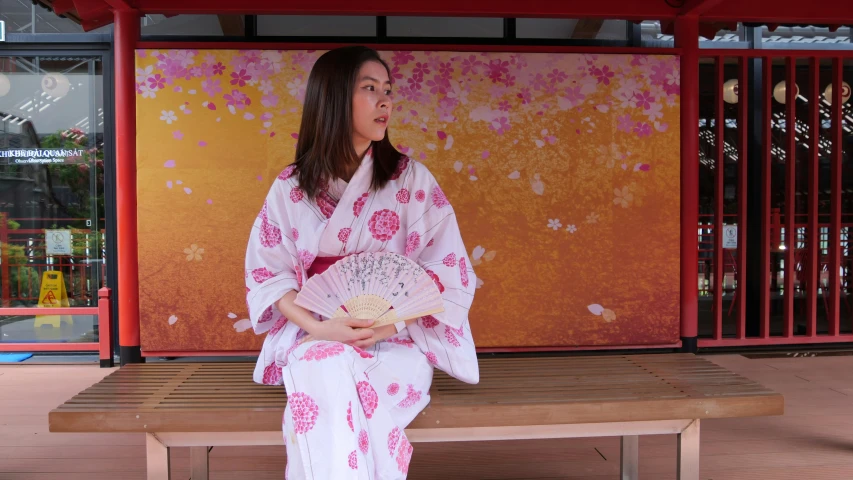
242, 325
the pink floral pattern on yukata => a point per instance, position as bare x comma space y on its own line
323, 350
412, 397
270, 234
451, 338
406, 342
266, 316
439, 199
431, 358
363, 442
403, 196
420, 196
349, 417
287, 172
393, 439
272, 374
429, 321
326, 203
369, 398
450, 260
353, 460
278, 326
463, 272
404, 455
413, 241
384, 224
393, 389
436, 280
261, 275
295, 233
343, 234
304, 411
361, 353
307, 258
296, 195
401, 167
359, 204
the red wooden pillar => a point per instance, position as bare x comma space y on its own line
6, 269
126, 35
835, 254
687, 39
105, 331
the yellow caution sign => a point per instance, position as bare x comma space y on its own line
53, 295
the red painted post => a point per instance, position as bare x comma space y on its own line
835, 208
4, 260
768, 227
126, 37
743, 174
814, 191
687, 38
105, 328
719, 193
790, 190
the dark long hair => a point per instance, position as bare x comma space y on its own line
324, 150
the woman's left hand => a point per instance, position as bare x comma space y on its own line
379, 334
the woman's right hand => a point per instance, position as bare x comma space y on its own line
343, 330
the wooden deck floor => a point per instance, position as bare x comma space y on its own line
814, 440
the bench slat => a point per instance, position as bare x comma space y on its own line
190, 397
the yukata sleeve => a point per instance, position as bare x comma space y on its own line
435, 242
270, 260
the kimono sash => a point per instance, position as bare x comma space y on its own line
321, 264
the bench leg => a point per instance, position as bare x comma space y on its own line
630, 457
158, 458
688, 452
200, 464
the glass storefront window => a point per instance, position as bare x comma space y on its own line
316, 26
192, 25
564, 28
445, 27
52, 249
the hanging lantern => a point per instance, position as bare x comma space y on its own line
845, 93
730, 91
5, 85
779, 92
55, 84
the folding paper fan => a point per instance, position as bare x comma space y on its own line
386, 287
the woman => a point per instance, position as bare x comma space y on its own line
352, 390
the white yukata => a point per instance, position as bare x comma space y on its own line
348, 408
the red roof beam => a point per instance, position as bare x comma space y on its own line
813, 12
614, 9
97, 21
698, 7
62, 7
91, 9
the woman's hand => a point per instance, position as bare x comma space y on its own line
341, 330
379, 334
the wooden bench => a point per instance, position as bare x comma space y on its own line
202, 405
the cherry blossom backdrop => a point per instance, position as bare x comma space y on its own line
563, 170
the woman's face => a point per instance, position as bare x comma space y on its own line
371, 105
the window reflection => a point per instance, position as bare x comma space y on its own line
52, 246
